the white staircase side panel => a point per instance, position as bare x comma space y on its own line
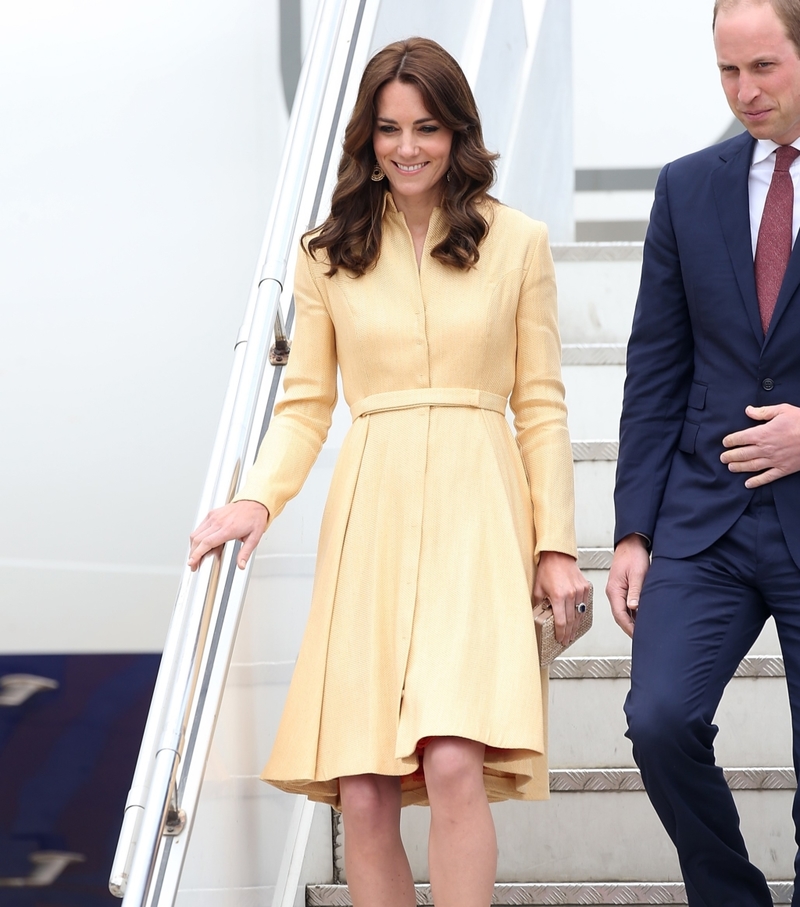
594, 401
587, 724
755, 725
596, 297
617, 836
594, 500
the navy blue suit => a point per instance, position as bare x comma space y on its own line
725, 558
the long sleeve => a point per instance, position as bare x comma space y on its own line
302, 418
659, 374
540, 413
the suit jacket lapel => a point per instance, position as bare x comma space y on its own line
733, 205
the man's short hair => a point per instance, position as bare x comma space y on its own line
788, 11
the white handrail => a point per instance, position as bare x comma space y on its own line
207, 611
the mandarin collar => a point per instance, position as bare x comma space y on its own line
389, 207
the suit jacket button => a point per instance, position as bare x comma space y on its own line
768, 384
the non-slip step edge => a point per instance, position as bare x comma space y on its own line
560, 893
597, 251
611, 780
595, 451
595, 558
611, 667
593, 353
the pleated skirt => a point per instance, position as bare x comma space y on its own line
420, 623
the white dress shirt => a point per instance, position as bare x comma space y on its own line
761, 170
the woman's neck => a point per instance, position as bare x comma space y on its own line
417, 211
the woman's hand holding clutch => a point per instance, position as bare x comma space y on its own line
559, 580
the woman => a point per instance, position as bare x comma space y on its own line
418, 680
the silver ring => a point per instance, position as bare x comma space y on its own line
581, 608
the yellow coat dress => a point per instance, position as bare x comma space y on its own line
420, 621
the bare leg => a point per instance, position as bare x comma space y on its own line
378, 874
462, 851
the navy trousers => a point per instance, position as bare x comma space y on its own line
697, 619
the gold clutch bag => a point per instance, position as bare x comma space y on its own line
549, 647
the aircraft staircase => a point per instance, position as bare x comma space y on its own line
219, 693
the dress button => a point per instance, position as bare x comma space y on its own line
768, 384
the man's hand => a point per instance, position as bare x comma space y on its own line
625, 579
773, 446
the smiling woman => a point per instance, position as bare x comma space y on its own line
418, 679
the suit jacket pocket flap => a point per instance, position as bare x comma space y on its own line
697, 396
688, 437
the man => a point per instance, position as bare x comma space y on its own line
709, 465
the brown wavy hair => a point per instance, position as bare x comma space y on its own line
351, 235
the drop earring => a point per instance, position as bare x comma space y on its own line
377, 173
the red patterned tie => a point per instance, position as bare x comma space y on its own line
774, 244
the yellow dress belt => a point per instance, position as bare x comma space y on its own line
428, 396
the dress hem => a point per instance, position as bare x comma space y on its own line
500, 785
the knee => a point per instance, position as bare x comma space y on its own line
453, 768
369, 803
663, 728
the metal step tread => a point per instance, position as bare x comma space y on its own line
613, 780
605, 451
562, 893
597, 251
595, 558
611, 667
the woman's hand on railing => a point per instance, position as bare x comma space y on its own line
559, 579
243, 520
